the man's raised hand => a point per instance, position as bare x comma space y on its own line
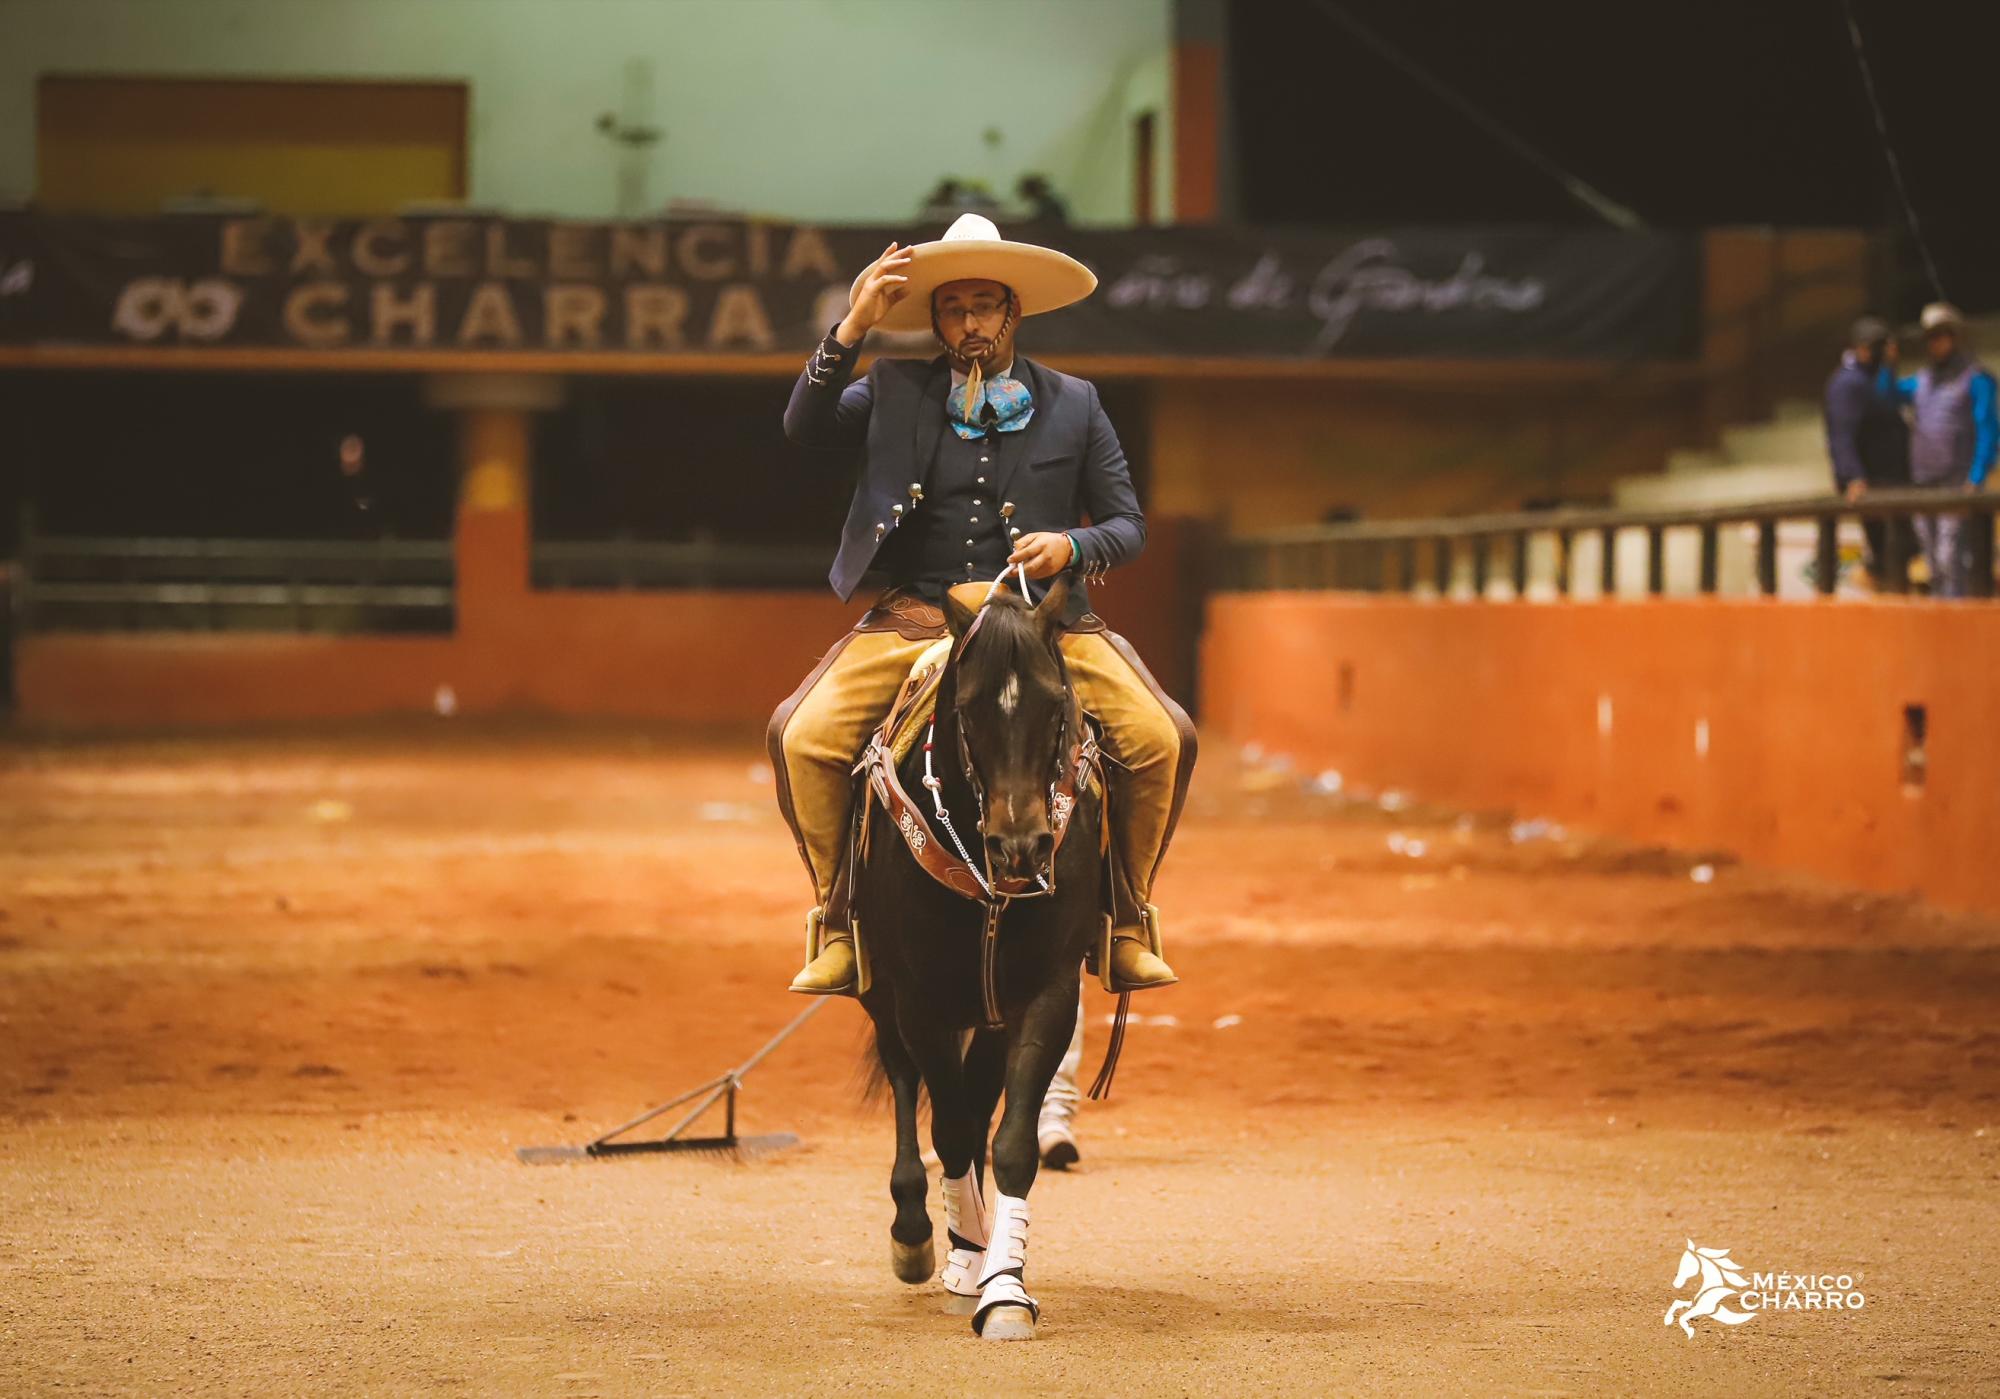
882, 286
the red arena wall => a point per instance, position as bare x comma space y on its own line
1773, 730
695, 657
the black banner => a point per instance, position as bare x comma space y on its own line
735, 287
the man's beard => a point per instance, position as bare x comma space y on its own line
988, 357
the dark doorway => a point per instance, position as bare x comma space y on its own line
1143, 151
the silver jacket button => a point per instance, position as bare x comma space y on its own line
880, 531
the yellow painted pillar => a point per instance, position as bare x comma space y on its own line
494, 539
494, 460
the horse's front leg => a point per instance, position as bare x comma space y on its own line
1035, 1046
959, 1139
912, 1255
966, 1215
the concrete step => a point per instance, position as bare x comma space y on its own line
1796, 440
1784, 458
1736, 484
1686, 460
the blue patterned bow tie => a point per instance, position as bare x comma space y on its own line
1007, 406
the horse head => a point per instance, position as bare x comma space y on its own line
1007, 697
1716, 1267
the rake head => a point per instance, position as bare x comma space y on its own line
704, 1148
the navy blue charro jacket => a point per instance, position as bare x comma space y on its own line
1064, 465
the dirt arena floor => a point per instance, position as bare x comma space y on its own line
1436, 1109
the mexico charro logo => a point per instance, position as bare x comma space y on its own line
1724, 1293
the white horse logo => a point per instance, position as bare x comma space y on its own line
1720, 1280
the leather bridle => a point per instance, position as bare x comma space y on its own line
1077, 755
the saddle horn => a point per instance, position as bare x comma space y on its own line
958, 618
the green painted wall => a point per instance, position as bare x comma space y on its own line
830, 110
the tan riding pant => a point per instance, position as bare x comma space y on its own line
846, 699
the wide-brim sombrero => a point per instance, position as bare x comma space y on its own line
1042, 278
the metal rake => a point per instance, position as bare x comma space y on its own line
704, 1096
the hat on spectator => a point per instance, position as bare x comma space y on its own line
1869, 330
1940, 315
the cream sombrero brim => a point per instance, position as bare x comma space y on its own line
1042, 278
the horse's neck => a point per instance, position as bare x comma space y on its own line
1711, 1275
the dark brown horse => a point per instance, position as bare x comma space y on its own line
1012, 769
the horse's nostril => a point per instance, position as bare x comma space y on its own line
1045, 849
1016, 854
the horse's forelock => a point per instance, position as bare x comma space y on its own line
1007, 635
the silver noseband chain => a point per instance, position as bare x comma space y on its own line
944, 817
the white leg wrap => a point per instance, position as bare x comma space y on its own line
965, 1215
1001, 1279
965, 1208
1007, 1245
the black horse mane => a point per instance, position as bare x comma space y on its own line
1010, 621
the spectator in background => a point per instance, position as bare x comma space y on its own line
1868, 440
1045, 206
953, 197
1954, 433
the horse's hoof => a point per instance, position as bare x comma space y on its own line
1060, 1155
1006, 1311
1007, 1323
913, 1263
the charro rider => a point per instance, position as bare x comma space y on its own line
972, 461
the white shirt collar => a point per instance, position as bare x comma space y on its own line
958, 375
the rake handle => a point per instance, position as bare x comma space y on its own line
716, 1087
797, 1021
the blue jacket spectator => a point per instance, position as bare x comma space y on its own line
1954, 434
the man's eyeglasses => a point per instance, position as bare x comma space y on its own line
980, 309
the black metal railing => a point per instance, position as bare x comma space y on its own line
641, 565
92, 583
1426, 555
